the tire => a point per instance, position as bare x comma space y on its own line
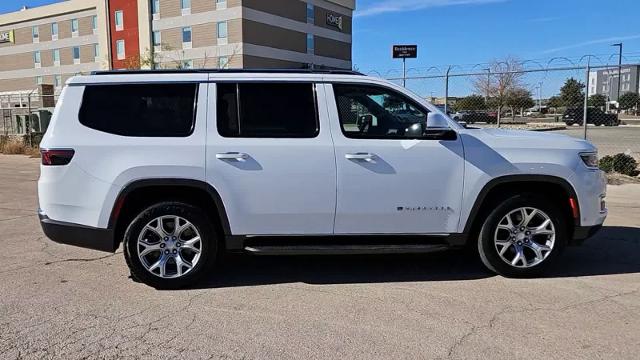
159, 267
535, 263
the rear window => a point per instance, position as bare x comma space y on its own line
267, 110
141, 110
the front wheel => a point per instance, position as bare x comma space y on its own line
522, 236
170, 245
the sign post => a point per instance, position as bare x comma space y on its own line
405, 52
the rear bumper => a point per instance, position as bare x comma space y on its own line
78, 235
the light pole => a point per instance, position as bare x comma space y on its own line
540, 97
619, 45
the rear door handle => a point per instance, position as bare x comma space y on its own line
231, 156
360, 156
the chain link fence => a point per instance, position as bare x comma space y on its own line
507, 95
25, 116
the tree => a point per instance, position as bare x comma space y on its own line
555, 102
471, 102
505, 76
598, 100
628, 100
519, 98
571, 93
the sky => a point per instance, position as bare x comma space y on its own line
478, 31
468, 32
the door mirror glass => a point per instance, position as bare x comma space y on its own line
437, 121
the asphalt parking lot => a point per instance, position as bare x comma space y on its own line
62, 302
610, 140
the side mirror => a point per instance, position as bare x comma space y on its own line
437, 121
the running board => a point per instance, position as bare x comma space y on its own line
345, 249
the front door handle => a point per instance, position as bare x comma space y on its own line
232, 156
360, 156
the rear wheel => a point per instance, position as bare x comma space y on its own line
170, 245
522, 237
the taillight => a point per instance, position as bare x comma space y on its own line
56, 157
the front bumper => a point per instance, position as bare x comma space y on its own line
582, 233
78, 235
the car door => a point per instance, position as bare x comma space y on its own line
270, 157
391, 178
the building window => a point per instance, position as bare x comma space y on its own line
96, 51
186, 38
56, 57
223, 33
57, 81
35, 34
54, 31
119, 20
76, 54
39, 80
94, 23
223, 62
188, 64
36, 59
155, 9
74, 27
626, 87
221, 4
157, 38
311, 14
185, 7
120, 50
310, 44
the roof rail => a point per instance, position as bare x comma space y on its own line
226, 71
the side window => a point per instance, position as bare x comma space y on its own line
149, 110
378, 113
267, 110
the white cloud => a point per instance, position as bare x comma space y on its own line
592, 42
391, 6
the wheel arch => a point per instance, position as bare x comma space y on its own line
501, 187
140, 194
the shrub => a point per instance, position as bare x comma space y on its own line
619, 163
16, 146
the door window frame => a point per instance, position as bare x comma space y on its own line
392, 91
316, 110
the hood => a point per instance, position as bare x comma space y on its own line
523, 139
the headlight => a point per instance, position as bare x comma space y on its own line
590, 159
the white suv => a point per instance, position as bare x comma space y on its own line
183, 165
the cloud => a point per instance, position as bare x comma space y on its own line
592, 42
394, 6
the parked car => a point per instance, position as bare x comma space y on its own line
472, 117
595, 116
181, 166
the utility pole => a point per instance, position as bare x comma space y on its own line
619, 45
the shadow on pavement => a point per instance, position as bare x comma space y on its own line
614, 250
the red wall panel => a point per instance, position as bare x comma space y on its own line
129, 33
